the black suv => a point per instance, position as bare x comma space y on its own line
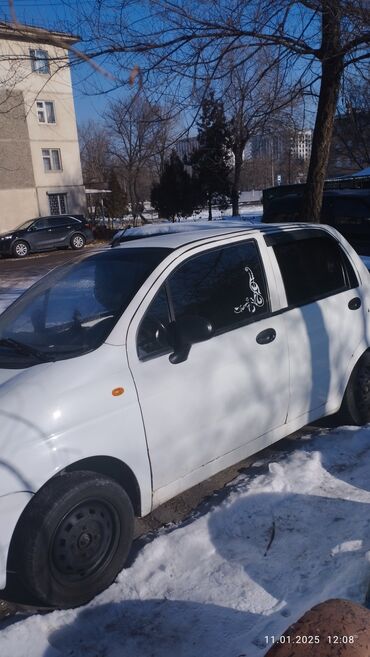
46, 233
347, 210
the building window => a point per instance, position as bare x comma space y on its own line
40, 61
52, 159
58, 203
45, 111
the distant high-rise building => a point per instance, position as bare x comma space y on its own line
302, 144
185, 147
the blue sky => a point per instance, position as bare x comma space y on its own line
62, 15
54, 14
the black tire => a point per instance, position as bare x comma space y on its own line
20, 249
78, 241
74, 538
355, 407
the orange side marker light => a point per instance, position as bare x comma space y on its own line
116, 392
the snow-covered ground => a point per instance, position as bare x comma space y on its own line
289, 534
249, 212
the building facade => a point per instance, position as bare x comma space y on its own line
302, 144
40, 168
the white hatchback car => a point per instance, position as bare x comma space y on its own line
141, 370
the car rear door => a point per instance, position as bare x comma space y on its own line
323, 316
59, 230
232, 388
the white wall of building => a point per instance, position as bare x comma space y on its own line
17, 206
16, 74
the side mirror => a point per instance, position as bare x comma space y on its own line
184, 332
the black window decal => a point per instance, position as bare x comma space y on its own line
251, 303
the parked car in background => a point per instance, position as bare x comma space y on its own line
136, 372
46, 233
348, 210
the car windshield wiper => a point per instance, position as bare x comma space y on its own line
26, 349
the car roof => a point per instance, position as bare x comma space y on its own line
174, 238
328, 193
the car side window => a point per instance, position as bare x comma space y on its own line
58, 222
41, 224
225, 286
313, 268
152, 337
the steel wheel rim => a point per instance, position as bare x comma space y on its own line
84, 541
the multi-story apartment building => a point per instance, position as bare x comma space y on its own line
298, 142
40, 168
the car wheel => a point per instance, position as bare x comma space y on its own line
21, 249
78, 241
356, 403
74, 538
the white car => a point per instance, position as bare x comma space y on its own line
143, 369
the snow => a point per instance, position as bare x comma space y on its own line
251, 212
252, 215
288, 534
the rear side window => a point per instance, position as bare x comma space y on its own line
57, 222
225, 286
313, 268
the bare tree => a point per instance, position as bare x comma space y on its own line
257, 99
350, 149
315, 39
136, 128
96, 160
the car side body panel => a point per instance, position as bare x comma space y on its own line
62, 415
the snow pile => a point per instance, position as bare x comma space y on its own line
289, 534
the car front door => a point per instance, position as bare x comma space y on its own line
231, 389
38, 235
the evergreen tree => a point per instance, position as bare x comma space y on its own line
211, 161
173, 195
115, 202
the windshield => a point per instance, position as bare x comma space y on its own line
25, 224
73, 309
